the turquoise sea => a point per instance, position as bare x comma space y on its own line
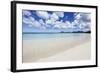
47, 36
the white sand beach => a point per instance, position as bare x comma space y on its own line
81, 52
57, 49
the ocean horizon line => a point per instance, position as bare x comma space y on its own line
51, 32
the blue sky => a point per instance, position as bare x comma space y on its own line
54, 21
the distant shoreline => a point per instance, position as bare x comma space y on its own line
51, 32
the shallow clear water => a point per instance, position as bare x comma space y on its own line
58, 35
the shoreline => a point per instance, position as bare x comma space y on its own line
53, 32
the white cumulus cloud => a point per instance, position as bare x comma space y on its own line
86, 17
77, 16
60, 25
31, 22
27, 13
42, 22
43, 14
36, 24
50, 22
68, 24
60, 14
82, 21
54, 17
27, 20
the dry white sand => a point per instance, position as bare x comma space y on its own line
81, 52
57, 49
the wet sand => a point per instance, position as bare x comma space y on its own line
57, 49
